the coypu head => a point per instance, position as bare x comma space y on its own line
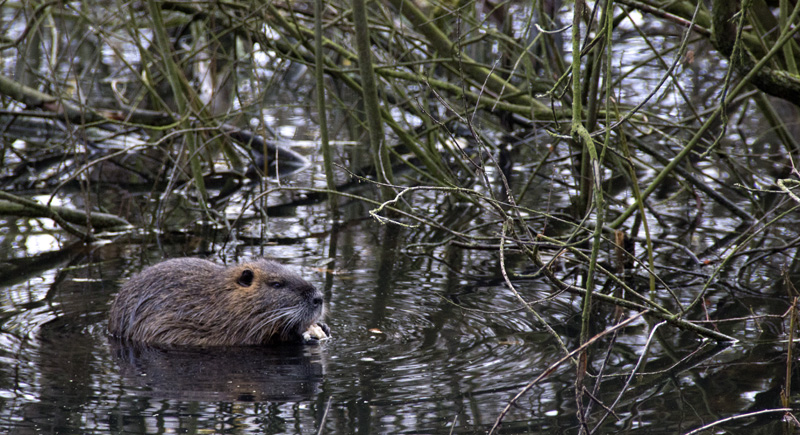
280, 303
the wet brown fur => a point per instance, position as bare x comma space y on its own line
190, 301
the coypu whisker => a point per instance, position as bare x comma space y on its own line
266, 327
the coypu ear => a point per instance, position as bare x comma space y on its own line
246, 278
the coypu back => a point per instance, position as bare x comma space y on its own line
190, 301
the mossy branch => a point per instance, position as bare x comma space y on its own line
372, 107
319, 76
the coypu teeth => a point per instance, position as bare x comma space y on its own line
194, 302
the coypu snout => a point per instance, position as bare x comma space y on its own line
190, 301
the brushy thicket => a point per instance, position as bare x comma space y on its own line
600, 169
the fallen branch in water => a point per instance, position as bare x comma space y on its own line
65, 217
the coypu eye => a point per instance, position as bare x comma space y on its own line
246, 278
276, 284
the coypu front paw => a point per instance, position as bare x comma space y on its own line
317, 332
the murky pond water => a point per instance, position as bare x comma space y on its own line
418, 346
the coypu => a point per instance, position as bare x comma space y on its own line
194, 302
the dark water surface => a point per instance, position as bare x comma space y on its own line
417, 347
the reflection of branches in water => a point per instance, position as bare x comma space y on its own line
555, 365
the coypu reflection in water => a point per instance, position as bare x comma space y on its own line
211, 374
194, 302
